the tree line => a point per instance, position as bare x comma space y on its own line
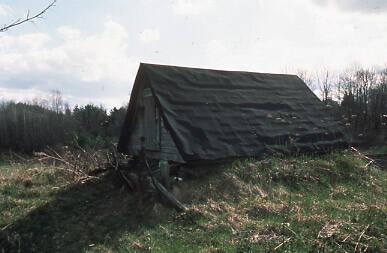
358, 96
32, 126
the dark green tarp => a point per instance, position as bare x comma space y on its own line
214, 114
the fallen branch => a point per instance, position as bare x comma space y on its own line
346, 238
287, 226
285, 241
328, 230
70, 171
44, 156
169, 196
361, 154
361, 235
364, 157
341, 247
6, 226
369, 163
79, 163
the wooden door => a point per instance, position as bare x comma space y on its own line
151, 122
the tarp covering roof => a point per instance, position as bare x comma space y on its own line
213, 114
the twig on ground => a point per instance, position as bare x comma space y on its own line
6, 226
287, 226
19, 156
346, 238
341, 247
45, 156
364, 157
328, 230
285, 241
68, 170
361, 235
368, 164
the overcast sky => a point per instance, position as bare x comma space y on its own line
90, 50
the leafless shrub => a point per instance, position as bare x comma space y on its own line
79, 164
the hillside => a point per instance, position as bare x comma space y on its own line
332, 203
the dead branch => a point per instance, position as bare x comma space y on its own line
369, 163
364, 157
328, 230
346, 238
6, 226
131, 185
18, 156
285, 241
28, 18
80, 164
361, 235
43, 156
70, 171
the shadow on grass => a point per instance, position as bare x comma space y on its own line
86, 214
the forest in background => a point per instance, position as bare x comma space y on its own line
32, 126
358, 98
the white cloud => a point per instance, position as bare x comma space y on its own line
4, 10
149, 35
217, 52
356, 5
68, 33
192, 7
94, 67
21, 95
278, 36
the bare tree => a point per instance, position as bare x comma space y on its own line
57, 101
307, 78
28, 18
338, 90
325, 85
367, 80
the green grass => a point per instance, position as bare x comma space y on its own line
331, 203
380, 150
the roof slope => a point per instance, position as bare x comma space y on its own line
214, 114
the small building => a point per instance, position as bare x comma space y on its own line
184, 115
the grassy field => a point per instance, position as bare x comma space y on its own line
331, 203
